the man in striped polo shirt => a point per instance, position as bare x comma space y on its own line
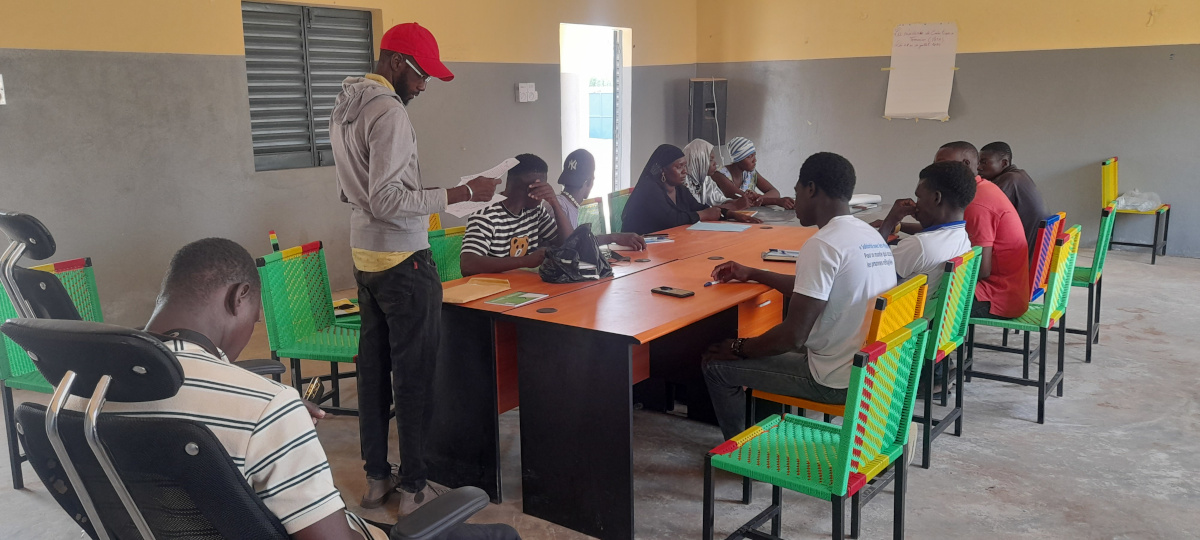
210, 302
514, 233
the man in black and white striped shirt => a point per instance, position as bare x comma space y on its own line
514, 233
210, 301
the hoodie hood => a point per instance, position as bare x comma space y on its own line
356, 93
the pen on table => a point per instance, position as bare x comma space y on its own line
711, 283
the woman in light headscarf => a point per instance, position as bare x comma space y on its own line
741, 178
701, 164
660, 201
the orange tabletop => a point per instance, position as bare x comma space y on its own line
531, 282
686, 244
626, 306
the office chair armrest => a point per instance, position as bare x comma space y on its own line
440, 514
261, 366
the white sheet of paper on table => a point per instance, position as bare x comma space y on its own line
863, 199
922, 71
466, 208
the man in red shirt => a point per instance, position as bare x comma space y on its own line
993, 224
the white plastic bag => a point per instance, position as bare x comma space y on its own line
1142, 201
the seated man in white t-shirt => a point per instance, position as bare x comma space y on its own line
943, 193
839, 273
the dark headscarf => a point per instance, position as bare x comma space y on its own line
578, 168
648, 208
662, 158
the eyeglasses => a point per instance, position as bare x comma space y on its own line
413, 66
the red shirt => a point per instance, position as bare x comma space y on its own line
993, 222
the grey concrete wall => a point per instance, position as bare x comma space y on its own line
659, 111
126, 157
1063, 112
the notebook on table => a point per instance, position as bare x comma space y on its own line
718, 227
474, 289
781, 255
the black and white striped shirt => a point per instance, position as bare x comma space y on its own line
263, 426
496, 232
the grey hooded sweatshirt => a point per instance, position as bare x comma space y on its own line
375, 156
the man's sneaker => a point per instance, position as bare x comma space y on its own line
410, 502
378, 490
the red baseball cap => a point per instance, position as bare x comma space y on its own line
414, 40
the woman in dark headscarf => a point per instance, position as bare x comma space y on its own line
660, 201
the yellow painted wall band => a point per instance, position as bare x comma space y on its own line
512, 31
760, 30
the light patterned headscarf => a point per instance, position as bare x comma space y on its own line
697, 152
740, 148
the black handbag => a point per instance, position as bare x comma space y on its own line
562, 264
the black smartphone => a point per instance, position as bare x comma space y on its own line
671, 291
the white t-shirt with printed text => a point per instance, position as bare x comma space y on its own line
847, 264
927, 251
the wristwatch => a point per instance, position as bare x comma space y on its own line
724, 213
736, 347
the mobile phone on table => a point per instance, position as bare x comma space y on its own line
671, 291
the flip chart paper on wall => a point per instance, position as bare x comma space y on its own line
922, 71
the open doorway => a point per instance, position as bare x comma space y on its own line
595, 77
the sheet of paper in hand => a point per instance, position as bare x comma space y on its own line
466, 208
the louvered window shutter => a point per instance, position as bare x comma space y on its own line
296, 59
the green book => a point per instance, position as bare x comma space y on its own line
517, 299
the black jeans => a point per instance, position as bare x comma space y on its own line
401, 330
785, 374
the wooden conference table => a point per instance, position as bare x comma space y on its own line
572, 370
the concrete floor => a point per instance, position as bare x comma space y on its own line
1115, 459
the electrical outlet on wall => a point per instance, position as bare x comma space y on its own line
2, 101
526, 92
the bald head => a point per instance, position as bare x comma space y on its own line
961, 151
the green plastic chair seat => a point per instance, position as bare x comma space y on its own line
331, 344
1030, 321
30, 381
797, 453
1083, 276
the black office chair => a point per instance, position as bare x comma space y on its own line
150, 477
27, 237
41, 295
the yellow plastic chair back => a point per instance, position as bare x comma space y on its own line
897, 307
1108, 182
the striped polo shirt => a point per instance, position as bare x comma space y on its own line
496, 232
263, 426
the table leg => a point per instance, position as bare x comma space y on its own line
464, 437
577, 428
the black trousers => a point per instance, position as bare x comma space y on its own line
397, 351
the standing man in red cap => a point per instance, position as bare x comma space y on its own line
399, 293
